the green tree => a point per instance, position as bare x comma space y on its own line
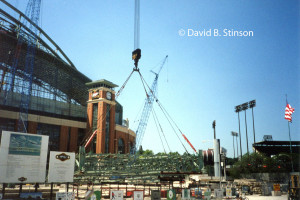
259, 163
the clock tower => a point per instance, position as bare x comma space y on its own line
101, 110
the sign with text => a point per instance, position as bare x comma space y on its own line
61, 167
207, 194
276, 187
155, 195
218, 193
65, 196
138, 195
186, 194
23, 157
116, 195
228, 192
31, 195
171, 195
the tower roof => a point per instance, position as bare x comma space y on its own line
101, 83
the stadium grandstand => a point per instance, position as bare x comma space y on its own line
58, 92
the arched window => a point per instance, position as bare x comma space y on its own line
121, 146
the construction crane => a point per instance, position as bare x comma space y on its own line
147, 109
137, 52
33, 14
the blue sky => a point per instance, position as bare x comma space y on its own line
204, 77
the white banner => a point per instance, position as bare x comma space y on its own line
61, 167
138, 195
23, 157
116, 195
218, 193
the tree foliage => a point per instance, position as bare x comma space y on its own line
259, 163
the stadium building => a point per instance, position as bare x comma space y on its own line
55, 99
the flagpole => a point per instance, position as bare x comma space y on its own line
291, 147
290, 138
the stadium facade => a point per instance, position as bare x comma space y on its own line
58, 93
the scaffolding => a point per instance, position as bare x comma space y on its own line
58, 88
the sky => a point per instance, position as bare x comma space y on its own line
205, 77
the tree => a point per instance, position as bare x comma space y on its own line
259, 163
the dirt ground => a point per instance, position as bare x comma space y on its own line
257, 197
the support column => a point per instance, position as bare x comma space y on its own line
112, 134
73, 139
32, 127
64, 137
100, 140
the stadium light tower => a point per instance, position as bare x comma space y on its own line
245, 107
252, 104
237, 110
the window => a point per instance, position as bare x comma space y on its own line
121, 146
107, 128
53, 131
6, 125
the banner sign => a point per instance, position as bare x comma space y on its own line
218, 193
138, 195
228, 192
31, 195
23, 157
198, 193
65, 196
207, 194
116, 195
155, 195
186, 194
61, 167
171, 195
93, 195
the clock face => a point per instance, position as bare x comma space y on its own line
108, 95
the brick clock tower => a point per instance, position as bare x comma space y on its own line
101, 109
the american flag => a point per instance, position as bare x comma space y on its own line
288, 112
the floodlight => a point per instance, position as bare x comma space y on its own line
252, 104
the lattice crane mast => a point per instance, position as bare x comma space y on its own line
33, 14
147, 108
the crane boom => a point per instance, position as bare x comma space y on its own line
147, 109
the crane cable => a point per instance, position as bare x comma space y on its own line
179, 129
155, 116
167, 115
143, 80
124, 84
155, 121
